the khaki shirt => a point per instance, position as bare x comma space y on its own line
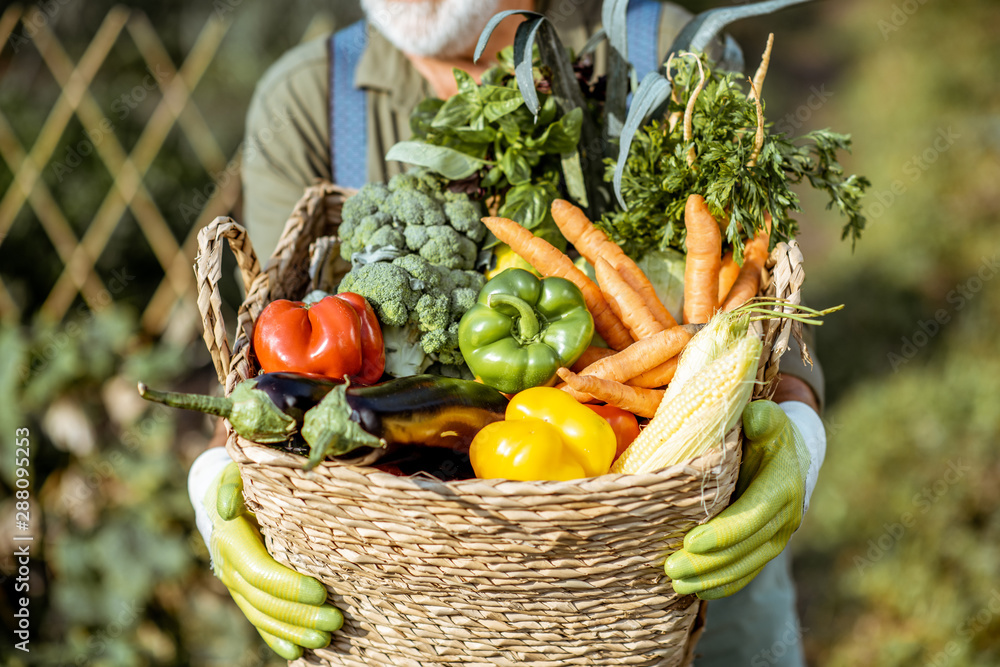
287, 142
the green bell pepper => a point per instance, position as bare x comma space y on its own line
523, 328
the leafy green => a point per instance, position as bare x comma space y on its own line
502, 148
448, 162
658, 177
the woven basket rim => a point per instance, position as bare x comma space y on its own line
707, 463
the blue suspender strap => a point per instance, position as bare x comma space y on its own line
643, 23
348, 109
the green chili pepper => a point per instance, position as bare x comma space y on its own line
522, 329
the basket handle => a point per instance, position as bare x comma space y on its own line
785, 277
208, 271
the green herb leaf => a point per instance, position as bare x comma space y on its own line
614, 18
530, 205
657, 178
423, 115
472, 137
515, 166
448, 162
706, 26
524, 41
457, 110
466, 84
499, 102
563, 135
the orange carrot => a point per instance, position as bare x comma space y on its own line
578, 230
592, 243
638, 358
589, 356
658, 376
625, 301
704, 258
638, 281
637, 400
547, 259
727, 275
748, 282
642, 355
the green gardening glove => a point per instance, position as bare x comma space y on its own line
723, 555
288, 609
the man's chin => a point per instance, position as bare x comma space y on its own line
431, 28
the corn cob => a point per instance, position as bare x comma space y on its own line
715, 338
698, 417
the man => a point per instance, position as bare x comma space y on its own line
299, 128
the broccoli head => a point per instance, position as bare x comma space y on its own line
421, 180
421, 303
355, 232
365, 201
423, 272
412, 207
465, 215
414, 213
446, 247
387, 289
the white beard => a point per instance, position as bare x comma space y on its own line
439, 28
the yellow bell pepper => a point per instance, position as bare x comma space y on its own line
546, 435
504, 258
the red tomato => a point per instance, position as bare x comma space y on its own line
623, 423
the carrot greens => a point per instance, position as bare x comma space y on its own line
719, 161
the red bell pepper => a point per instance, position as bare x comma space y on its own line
335, 337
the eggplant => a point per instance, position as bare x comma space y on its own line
419, 410
335, 418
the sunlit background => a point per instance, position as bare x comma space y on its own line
119, 137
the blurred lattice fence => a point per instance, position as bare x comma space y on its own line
96, 175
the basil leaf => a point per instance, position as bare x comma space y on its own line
497, 110
528, 204
472, 136
564, 134
448, 162
492, 177
466, 84
423, 115
515, 166
458, 110
548, 112
509, 128
498, 94
573, 176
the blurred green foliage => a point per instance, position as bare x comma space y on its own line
119, 575
118, 572
898, 561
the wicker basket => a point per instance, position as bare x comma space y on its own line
472, 572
